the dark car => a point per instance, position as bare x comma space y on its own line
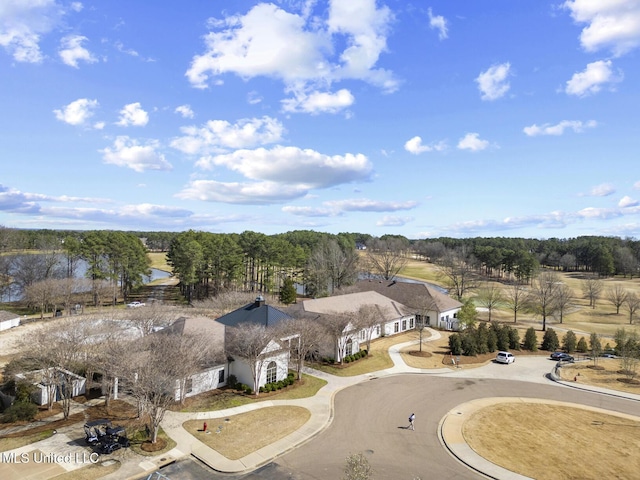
561, 357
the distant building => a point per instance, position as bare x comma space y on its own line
8, 320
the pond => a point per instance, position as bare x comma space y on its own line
13, 293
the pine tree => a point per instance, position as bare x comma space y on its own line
288, 291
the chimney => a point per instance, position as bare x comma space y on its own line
259, 301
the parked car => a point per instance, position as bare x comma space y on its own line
505, 357
135, 305
608, 355
561, 357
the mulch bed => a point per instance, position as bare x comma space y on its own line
160, 444
423, 354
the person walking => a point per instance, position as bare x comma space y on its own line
412, 418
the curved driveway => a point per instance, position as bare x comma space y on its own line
370, 417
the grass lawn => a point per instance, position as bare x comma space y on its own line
378, 358
222, 399
10, 442
608, 374
159, 261
239, 435
549, 441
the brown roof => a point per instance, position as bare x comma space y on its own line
352, 302
198, 326
4, 315
406, 293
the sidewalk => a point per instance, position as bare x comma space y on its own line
530, 369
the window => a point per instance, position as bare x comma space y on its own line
396, 327
349, 347
188, 385
362, 335
411, 322
378, 330
455, 315
272, 372
404, 324
221, 376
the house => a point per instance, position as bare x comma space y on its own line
8, 320
273, 365
440, 310
214, 374
393, 317
48, 384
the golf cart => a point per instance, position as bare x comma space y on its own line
105, 438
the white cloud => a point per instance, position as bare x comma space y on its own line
77, 112
77, 6
127, 152
415, 146
636, 186
257, 193
293, 165
602, 190
71, 51
368, 205
133, 114
627, 201
300, 50
185, 111
611, 24
592, 79
319, 102
473, 142
217, 136
439, 23
22, 24
558, 129
393, 221
310, 211
253, 98
493, 83
99, 125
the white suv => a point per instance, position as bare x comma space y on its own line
505, 357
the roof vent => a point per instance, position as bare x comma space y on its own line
259, 301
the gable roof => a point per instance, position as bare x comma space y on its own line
198, 326
4, 315
351, 302
257, 312
405, 292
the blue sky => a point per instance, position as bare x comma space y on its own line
423, 119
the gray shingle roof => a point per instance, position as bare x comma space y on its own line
254, 313
406, 293
351, 302
4, 315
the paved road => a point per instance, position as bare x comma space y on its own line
371, 417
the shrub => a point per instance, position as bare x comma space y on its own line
248, 390
582, 346
514, 339
347, 359
281, 384
232, 381
569, 342
20, 411
531, 340
455, 344
550, 340
262, 389
365, 352
291, 375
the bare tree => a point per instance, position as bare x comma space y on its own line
421, 306
563, 301
490, 297
224, 302
386, 258
153, 371
591, 289
58, 349
632, 304
149, 318
457, 269
595, 347
330, 267
368, 319
251, 342
616, 295
40, 294
516, 298
628, 348
304, 334
340, 329
544, 292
